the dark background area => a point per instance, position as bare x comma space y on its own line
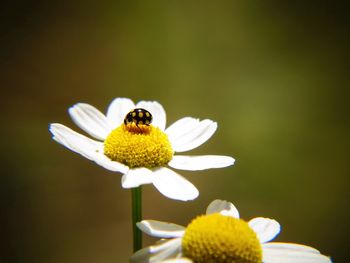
274, 75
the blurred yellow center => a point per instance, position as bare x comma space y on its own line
138, 146
217, 238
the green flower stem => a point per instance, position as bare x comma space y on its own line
136, 200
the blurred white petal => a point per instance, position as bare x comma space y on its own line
202, 162
108, 164
141, 256
166, 250
173, 185
290, 246
157, 111
222, 207
136, 177
178, 260
118, 109
74, 141
91, 120
292, 253
181, 127
266, 228
188, 133
90, 149
161, 229
158, 252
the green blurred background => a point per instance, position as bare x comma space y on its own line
274, 75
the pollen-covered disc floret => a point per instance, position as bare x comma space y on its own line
218, 238
138, 146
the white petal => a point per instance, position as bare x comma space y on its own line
196, 163
107, 163
74, 141
292, 253
222, 207
161, 229
90, 149
266, 228
118, 109
159, 252
91, 120
290, 246
136, 177
178, 260
181, 127
188, 133
157, 111
166, 250
173, 185
141, 256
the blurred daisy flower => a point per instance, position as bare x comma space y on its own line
220, 236
132, 140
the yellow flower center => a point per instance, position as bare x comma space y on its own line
217, 238
138, 146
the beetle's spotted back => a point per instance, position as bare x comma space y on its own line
138, 116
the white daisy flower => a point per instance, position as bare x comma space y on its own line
139, 150
220, 236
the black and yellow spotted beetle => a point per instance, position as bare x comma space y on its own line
138, 116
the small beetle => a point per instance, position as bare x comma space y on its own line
138, 116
